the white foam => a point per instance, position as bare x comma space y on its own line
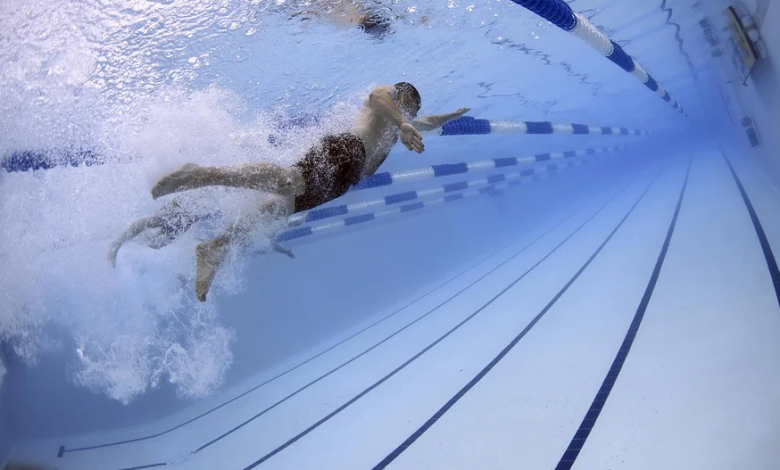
138, 325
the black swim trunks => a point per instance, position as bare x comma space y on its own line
329, 168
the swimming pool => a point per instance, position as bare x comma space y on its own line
524, 294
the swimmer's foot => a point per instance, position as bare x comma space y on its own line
277, 248
112, 252
209, 257
186, 177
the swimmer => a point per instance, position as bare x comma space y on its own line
326, 172
374, 21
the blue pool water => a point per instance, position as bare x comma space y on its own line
454, 328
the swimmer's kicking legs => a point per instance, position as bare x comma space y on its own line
326, 172
165, 227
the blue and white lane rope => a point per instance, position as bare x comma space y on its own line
398, 198
447, 169
510, 180
27, 160
561, 15
44, 160
468, 125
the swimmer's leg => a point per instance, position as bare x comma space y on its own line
261, 176
135, 229
209, 255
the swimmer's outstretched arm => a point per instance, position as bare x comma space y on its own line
135, 229
435, 121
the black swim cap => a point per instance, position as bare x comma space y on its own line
375, 24
409, 90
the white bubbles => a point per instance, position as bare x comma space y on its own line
134, 81
134, 327
174, 339
128, 330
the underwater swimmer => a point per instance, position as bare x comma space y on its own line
371, 19
171, 222
326, 172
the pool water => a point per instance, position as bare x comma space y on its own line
461, 334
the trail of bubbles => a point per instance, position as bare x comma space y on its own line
130, 329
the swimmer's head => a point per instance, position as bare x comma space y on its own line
408, 100
375, 24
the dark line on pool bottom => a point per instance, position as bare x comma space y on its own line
578, 441
430, 346
432, 420
769, 256
145, 466
63, 450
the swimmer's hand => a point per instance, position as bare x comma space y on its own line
411, 139
457, 114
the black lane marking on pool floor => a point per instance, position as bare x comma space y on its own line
455, 398
141, 467
433, 344
578, 441
62, 450
771, 261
